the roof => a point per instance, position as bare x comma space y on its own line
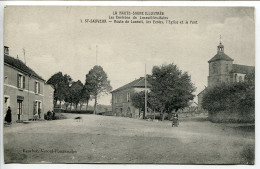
139, 83
21, 66
204, 90
242, 69
192, 104
220, 56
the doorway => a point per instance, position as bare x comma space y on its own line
19, 108
6, 104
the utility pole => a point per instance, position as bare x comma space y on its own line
96, 55
145, 86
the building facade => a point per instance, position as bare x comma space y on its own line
222, 70
121, 98
24, 90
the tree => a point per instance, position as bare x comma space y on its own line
138, 100
84, 97
232, 98
154, 103
75, 91
171, 87
60, 84
97, 83
250, 78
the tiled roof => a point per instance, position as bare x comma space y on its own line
21, 66
203, 91
242, 69
139, 83
220, 56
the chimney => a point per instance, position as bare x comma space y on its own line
6, 50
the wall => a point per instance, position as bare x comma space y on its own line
222, 73
29, 96
48, 98
121, 107
235, 77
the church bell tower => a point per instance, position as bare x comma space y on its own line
219, 67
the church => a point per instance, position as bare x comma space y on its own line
222, 70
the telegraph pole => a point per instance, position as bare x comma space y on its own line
96, 54
145, 86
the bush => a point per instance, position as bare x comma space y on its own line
59, 116
237, 100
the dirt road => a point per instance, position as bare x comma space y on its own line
104, 139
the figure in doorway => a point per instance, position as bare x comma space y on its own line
39, 113
8, 117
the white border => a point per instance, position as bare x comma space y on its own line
131, 3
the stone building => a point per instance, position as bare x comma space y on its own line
222, 70
121, 98
24, 90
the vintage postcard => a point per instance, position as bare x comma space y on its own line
129, 85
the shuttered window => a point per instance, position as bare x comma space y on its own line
23, 81
20, 81
39, 88
18, 84
35, 87
34, 107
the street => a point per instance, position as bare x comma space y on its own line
107, 139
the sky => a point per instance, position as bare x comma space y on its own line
55, 40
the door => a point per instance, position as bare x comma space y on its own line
19, 109
6, 104
39, 109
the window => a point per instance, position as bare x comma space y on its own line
128, 97
20, 81
214, 66
19, 108
37, 87
37, 107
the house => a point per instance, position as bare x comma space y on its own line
222, 70
24, 90
121, 98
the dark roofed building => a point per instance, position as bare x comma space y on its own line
242, 69
16, 63
121, 98
138, 83
222, 70
24, 90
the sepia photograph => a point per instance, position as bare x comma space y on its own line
129, 85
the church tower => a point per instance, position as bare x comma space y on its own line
219, 67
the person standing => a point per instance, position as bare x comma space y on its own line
39, 113
8, 117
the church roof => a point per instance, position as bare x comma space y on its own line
139, 83
16, 63
203, 91
220, 56
242, 69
